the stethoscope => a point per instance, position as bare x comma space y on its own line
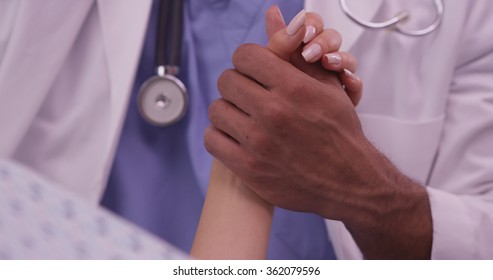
163, 99
396, 20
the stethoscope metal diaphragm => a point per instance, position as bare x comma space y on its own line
162, 100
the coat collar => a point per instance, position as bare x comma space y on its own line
334, 17
40, 36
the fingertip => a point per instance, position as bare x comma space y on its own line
274, 20
216, 142
283, 44
351, 76
315, 19
332, 61
353, 85
314, 25
296, 23
208, 138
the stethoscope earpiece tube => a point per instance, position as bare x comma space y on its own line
176, 40
399, 18
162, 26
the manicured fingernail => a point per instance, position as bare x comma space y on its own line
296, 23
350, 75
311, 52
309, 34
333, 58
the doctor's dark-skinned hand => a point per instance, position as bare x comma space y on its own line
296, 140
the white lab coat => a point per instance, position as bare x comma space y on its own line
67, 68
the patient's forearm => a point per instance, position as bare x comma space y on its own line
235, 222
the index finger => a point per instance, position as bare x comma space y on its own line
274, 21
314, 26
287, 40
263, 66
240, 90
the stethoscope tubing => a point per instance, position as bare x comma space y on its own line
396, 20
169, 40
165, 89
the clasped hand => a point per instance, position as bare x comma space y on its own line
289, 130
286, 126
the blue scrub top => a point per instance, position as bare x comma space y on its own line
160, 175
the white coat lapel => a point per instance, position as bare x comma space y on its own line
40, 34
123, 24
334, 17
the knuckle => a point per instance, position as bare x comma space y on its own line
334, 39
253, 166
353, 62
334, 33
275, 114
349, 61
314, 19
243, 53
297, 86
208, 139
224, 80
259, 141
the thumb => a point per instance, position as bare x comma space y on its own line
274, 21
285, 41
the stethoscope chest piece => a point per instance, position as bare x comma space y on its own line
162, 100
